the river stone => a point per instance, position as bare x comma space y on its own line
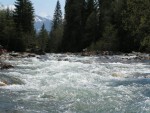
2, 84
148, 76
6, 66
117, 74
9, 80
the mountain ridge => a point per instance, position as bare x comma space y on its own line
39, 21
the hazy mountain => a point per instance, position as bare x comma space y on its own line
39, 22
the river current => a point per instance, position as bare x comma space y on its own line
60, 83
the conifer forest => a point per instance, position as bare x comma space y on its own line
95, 25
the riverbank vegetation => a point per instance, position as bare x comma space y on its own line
94, 25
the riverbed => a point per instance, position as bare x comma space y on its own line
61, 83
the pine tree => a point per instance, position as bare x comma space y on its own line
56, 32
74, 26
136, 23
7, 29
57, 18
55, 40
24, 15
2, 26
42, 38
24, 21
91, 25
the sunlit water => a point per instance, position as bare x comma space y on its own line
75, 84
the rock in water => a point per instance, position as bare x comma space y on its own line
117, 74
148, 76
6, 66
9, 80
2, 84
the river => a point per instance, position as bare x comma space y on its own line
60, 83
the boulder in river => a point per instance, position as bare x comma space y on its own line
9, 80
117, 74
13, 54
2, 84
6, 66
148, 76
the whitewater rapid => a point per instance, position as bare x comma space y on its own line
61, 83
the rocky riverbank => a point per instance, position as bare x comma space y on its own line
10, 56
124, 56
9, 80
133, 55
4, 65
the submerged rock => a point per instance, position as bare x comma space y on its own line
22, 55
117, 74
9, 80
14, 54
3, 84
148, 76
31, 55
6, 66
141, 75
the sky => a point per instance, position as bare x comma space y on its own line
42, 8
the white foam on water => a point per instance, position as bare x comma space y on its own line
69, 84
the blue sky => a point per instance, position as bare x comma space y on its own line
42, 7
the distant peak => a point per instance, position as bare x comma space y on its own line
45, 16
39, 21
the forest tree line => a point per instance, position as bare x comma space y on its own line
98, 25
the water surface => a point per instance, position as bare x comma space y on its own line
60, 83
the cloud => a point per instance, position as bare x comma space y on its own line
11, 7
45, 15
